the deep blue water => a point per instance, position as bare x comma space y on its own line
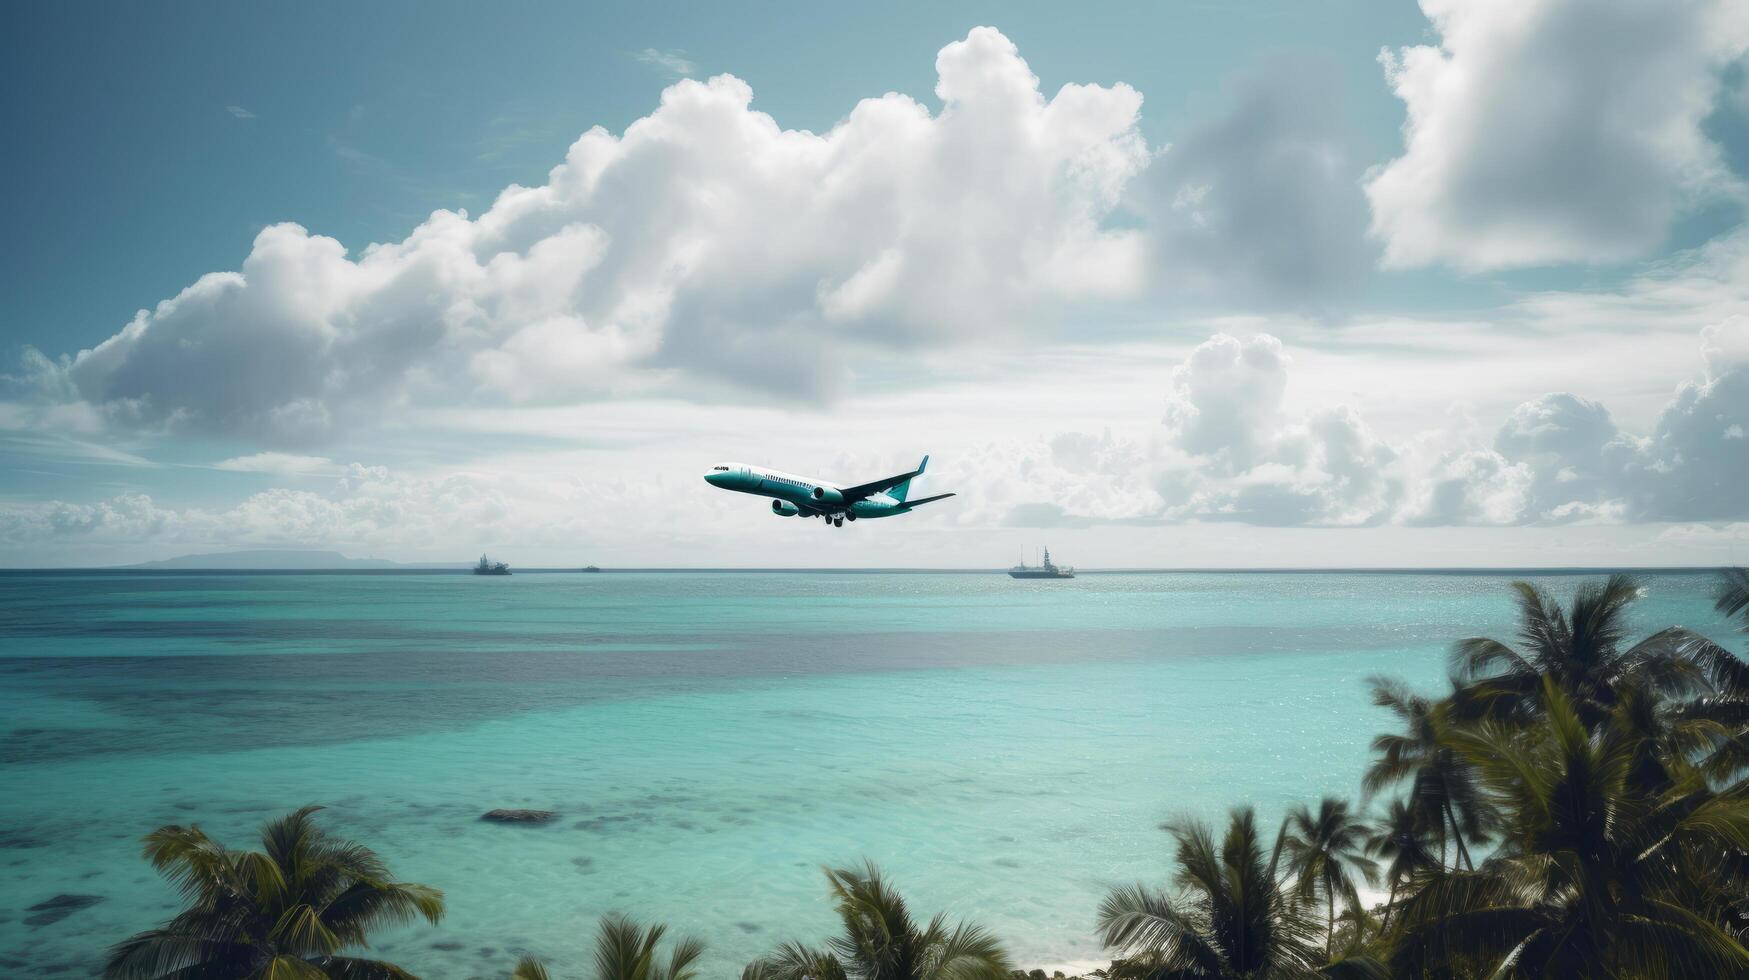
1004, 749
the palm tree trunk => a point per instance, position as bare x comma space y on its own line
1330, 937
1390, 903
1463, 853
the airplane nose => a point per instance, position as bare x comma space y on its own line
714, 479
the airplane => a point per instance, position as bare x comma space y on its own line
797, 495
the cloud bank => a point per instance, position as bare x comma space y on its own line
1229, 449
708, 251
706, 243
1546, 131
1231, 445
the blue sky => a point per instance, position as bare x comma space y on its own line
365, 118
1256, 248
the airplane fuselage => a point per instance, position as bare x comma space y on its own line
793, 496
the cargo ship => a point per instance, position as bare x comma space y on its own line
1047, 570
488, 567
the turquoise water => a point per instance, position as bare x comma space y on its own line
1005, 750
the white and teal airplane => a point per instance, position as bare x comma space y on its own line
798, 495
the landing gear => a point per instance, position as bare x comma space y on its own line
837, 522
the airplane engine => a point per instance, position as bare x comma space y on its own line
784, 508
826, 495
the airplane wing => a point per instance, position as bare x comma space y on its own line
918, 503
863, 491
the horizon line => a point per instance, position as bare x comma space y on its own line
427, 569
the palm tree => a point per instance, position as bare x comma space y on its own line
1326, 850
1714, 726
881, 941
625, 950
1400, 839
1595, 876
1442, 788
1727, 706
1580, 649
285, 911
1233, 918
1733, 594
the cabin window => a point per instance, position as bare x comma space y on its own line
720, 469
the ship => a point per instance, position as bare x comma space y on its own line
1047, 570
489, 567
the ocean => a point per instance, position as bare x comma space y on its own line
1005, 751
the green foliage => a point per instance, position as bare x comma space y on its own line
1233, 916
1607, 776
1578, 649
1400, 837
1598, 876
625, 950
285, 911
1442, 800
1326, 853
1733, 594
881, 941
1612, 773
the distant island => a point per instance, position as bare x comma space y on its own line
270, 559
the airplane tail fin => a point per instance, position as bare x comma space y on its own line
898, 493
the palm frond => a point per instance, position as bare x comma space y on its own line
625, 950
1732, 596
1358, 967
1674, 942
364, 906
163, 952
1479, 656
1137, 921
356, 968
683, 959
282, 911
793, 961
970, 952
300, 930
288, 968
195, 864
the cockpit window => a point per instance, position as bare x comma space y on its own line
720, 469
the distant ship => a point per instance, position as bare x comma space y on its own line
1047, 570
590, 568
487, 567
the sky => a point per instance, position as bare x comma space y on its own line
1194, 284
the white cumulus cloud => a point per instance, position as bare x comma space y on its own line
704, 243
1233, 447
1233, 450
1543, 131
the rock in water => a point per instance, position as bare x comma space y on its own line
519, 816
55, 909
